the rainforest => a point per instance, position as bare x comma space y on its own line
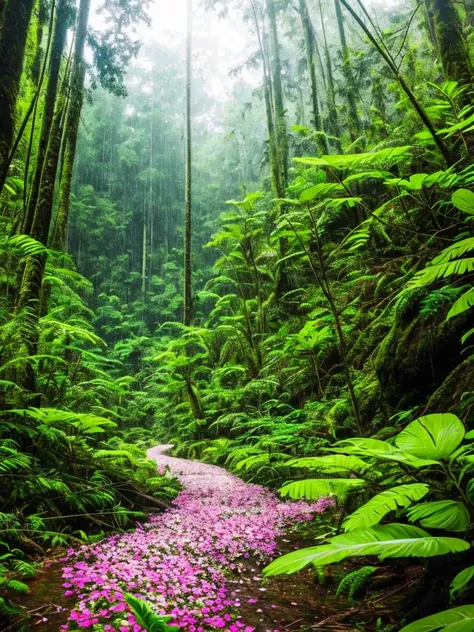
237, 315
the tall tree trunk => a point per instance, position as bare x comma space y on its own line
12, 51
144, 255
451, 45
277, 90
30, 290
36, 63
59, 42
274, 161
71, 128
331, 89
350, 87
430, 23
310, 62
384, 53
188, 308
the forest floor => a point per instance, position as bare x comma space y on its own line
178, 559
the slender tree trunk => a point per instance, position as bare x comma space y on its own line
71, 129
310, 62
59, 42
319, 58
30, 290
331, 89
319, 272
350, 87
17, 15
449, 37
194, 401
403, 84
277, 89
188, 308
37, 62
272, 145
430, 23
274, 161
144, 256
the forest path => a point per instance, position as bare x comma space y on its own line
200, 561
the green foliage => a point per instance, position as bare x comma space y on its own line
448, 515
325, 308
463, 199
354, 582
386, 541
459, 583
315, 488
380, 505
459, 619
432, 437
439, 437
147, 618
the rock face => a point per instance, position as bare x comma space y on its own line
418, 354
177, 561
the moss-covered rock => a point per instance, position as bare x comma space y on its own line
419, 352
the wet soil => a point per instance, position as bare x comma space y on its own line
300, 602
289, 602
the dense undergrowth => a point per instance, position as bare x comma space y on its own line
332, 293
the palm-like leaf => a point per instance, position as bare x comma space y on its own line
461, 580
387, 541
433, 436
315, 488
331, 464
380, 450
454, 620
442, 514
380, 505
464, 302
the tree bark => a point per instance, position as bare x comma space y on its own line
430, 23
277, 91
273, 157
350, 87
188, 309
403, 84
3, 8
452, 48
310, 62
71, 128
30, 289
16, 21
59, 42
331, 89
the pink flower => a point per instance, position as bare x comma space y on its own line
177, 561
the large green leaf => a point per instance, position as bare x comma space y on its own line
380, 505
454, 620
331, 464
321, 189
463, 199
464, 302
432, 437
461, 580
442, 514
317, 487
380, 450
386, 541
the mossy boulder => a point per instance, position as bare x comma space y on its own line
419, 352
